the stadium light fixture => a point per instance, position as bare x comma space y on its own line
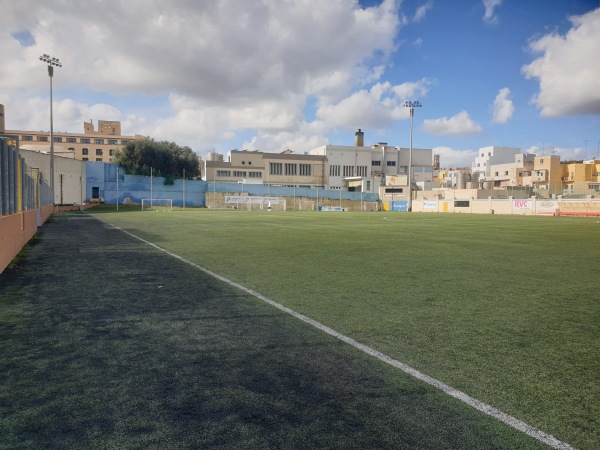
51, 62
411, 106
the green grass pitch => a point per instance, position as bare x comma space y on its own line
506, 309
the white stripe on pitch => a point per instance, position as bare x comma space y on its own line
483, 407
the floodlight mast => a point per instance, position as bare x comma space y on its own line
411, 106
51, 62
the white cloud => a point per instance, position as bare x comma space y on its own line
452, 159
490, 6
375, 108
459, 124
226, 66
422, 11
569, 69
503, 108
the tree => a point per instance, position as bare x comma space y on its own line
166, 159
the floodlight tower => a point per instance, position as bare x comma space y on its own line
52, 62
411, 106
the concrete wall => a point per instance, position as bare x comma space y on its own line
17, 229
69, 175
521, 207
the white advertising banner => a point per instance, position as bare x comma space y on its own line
429, 204
546, 207
522, 204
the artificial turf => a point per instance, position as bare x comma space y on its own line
503, 308
107, 343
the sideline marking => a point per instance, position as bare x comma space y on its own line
473, 402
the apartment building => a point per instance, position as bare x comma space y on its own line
492, 155
546, 176
91, 145
581, 177
515, 173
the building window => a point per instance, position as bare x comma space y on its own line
43, 138
57, 139
239, 173
376, 163
496, 174
334, 171
98, 141
124, 142
348, 171
391, 163
71, 149
223, 173
506, 172
254, 174
72, 140
368, 186
290, 168
84, 159
305, 170
111, 152
85, 141
361, 171
28, 138
84, 151
275, 168
98, 159
542, 161
98, 151
112, 142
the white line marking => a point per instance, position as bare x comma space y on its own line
480, 406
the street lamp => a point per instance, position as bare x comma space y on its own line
411, 106
51, 63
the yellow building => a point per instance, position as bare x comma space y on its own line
546, 175
581, 177
91, 145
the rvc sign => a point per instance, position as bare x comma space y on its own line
522, 204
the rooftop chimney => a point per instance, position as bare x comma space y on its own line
359, 138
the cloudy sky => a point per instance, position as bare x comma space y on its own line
277, 74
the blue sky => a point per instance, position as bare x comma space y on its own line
272, 75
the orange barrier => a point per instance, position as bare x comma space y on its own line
15, 231
581, 213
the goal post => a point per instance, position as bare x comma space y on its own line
370, 206
165, 204
306, 205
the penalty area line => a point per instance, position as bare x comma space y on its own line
459, 395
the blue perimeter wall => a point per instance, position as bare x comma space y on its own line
136, 187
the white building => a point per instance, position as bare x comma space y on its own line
491, 156
375, 166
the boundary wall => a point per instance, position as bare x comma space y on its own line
107, 183
510, 206
25, 201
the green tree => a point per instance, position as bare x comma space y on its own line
166, 159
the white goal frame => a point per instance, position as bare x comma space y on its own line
157, 203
